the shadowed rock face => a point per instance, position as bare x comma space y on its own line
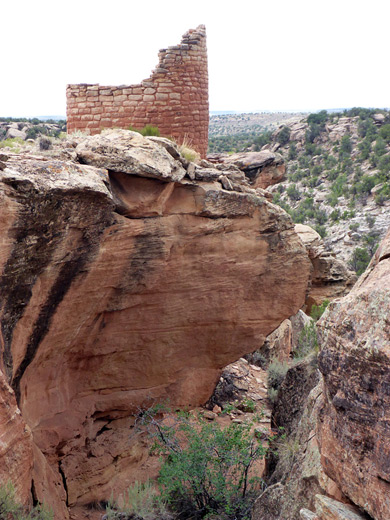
355, 363
263, 169
121, 287
330, 277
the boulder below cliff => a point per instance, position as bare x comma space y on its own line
124, 283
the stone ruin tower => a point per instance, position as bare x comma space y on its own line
174, 98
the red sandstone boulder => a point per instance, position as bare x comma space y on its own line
125, 284
355, 363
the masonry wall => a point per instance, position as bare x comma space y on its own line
174, 98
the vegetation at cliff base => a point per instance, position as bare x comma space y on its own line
140, 501
206, 469
11, 509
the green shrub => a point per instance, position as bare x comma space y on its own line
321, 230
35, 131
364, 186
365, 149
384, 166
147, 130
10, 509
293, 192
292, 152
330, 162
384, 132
371, 241
383, 195
263, 139
259, 360
321, 217
318, 310
284, 135
287, 449
189, 153
141, 501
345, 145
380, 147
277, 371
247, 405
367, 128
359, 260
13, 143
318, 118
335, 215
332, 199
307, 341
206, 468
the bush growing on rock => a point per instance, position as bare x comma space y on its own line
277, 371
307, 341
140, 501
318, 310
359, 260
206, 469
10, 509
147, 130
284, 135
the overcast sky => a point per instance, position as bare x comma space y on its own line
263, 55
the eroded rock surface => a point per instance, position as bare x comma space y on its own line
331, 277
355, 363
263, 169
126, 281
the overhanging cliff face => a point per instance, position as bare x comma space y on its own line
127, 279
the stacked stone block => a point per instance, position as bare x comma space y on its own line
174, 98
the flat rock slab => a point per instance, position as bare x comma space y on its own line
129, 152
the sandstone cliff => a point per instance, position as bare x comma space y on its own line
127, 276
354, 360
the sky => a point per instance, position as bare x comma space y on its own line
297, 55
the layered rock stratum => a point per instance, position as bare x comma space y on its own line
128, 276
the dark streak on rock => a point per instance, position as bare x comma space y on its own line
148, 246
42, 224
35, 239
67, 274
